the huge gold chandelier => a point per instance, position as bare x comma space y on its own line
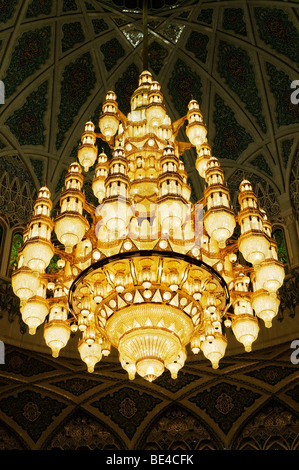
146, 271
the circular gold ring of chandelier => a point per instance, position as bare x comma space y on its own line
148, 304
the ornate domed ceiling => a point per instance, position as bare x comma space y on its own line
59, 58
237, 59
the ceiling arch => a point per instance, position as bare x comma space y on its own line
59, 59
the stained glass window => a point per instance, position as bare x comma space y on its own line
53, 268
278, 234
17, 241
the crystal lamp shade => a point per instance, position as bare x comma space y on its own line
90, 353
150, 343
109, 125
56, 334
70, 230
270, 275
245, 328
35, 312
265, 305
37, 255
214, 349
254, 248
220, 225
25, 283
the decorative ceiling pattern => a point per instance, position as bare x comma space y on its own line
249, 403
237, 59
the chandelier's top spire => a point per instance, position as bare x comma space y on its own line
44, 192
245, 185
145, 78
75, 168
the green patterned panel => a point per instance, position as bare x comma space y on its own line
78, 81
31, 411
197, 43
280, 84
233, 21
231, 138
27, 123
17, 242
276, 30
127, 408
235, 67
112, 52
261, 163
125, 86
69, 5
39, 7
72, 35
53, 266
184, 85
184, 14
7, 8
225, 403
89, 6
282, 251
31, 52
99, 26
157, 56
206, 16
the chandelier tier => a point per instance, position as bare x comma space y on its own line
146, 271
